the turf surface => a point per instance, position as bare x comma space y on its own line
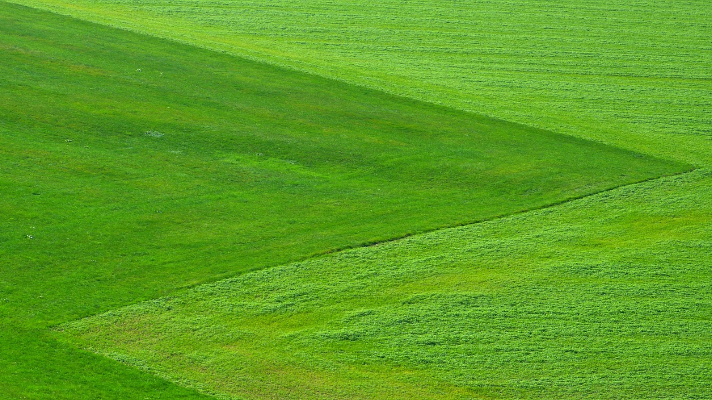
634, 73
109, 195
131, 162
606, 297
133, 167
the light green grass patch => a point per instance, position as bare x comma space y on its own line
605, 297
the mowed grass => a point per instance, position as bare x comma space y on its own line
606, 297
139, 161
634, 73
133, 167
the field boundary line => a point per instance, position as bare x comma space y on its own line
427, 231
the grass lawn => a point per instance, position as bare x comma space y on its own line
143, 165
634, 74
134, 168
606, 297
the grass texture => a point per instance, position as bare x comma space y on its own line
144, 164
637, 74
133, 167
606, 297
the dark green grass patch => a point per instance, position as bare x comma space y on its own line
606, 297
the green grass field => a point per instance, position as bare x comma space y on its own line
134, 168
633, 73
606, 297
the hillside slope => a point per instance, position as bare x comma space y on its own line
134, 167
606, 297
634, 74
